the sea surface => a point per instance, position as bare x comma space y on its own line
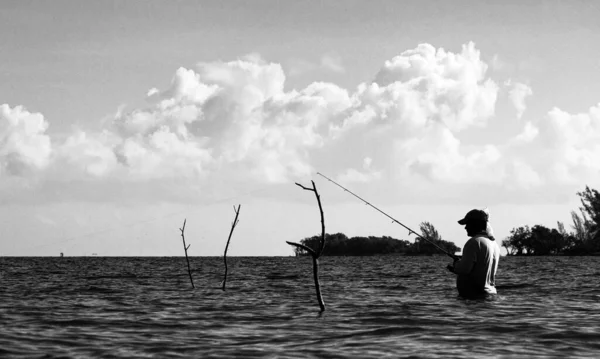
387, 306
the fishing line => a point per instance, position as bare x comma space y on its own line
410, 231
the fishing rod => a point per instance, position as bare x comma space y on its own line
410, 231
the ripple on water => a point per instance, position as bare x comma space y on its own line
376, 307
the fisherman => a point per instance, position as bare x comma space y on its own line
477, 268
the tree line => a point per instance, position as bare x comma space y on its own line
582, 239
339, 244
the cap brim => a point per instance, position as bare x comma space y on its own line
463, 221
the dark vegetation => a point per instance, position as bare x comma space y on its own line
340, 245
583, 239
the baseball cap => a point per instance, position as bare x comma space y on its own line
474, 214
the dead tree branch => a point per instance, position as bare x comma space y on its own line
233, 224
185, 248
315, 254
308, 249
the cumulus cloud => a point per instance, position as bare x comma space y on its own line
87, 154
573, 141
560, 148
234, 120
528, 134
441, 157
235, 117
219, 115
367, 174
523, 175
517, 95
24, 146
438, 85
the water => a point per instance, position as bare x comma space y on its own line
376, 307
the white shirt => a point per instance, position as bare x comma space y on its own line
477, 268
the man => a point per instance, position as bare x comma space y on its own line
477, 268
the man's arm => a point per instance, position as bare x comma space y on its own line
465, 264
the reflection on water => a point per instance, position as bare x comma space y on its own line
376, 307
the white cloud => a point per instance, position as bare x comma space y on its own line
442, 86
441, 158
153, 91
523, 175
24, 146
562, 148
366, 175
235, 117
161, 154
528, 134
517, 94
574, 139
219, 117
87, 154
233, 121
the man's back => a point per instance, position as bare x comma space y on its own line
477, 268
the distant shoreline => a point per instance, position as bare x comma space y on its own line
339, 244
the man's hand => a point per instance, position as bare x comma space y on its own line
450, 268
456, 258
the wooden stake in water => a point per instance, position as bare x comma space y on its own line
315, 254
233, 224
185, 248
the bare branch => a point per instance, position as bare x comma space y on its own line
185, 248
233, 224
315, 253
305, 188
322, 219
306, 248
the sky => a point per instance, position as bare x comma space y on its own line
120, 119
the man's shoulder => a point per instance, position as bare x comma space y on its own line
472, 242
481, 236
483, 239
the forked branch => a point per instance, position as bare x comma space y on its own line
315, 254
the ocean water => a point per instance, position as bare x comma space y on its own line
376, 307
